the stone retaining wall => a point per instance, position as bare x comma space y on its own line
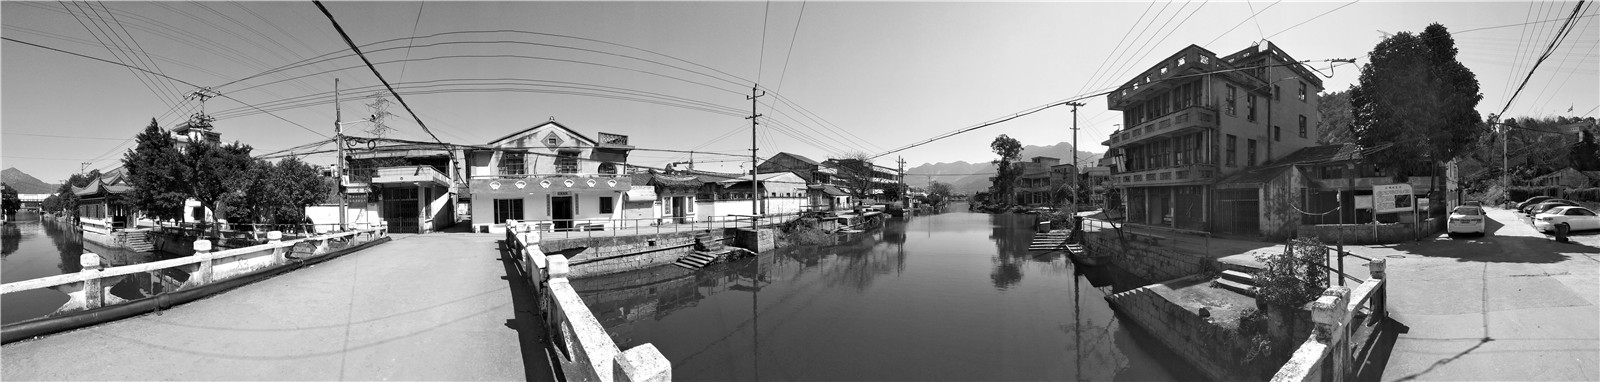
1149, 262
614, 254
1210, 348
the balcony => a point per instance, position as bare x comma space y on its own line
1189, 119
410, 174
1166, 176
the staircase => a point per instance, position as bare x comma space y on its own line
1239, 282
706, 251
1050, 241
137, 241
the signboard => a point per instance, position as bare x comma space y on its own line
1363, 202
1422, 204
1391, 198
642, 193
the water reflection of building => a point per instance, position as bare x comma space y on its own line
621, 299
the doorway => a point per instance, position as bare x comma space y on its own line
400, 210
561, 212
678, 210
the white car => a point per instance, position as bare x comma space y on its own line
1466, 219
1577, 219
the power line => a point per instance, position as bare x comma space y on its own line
374, 68
61, 136
1312, 18
99, 59
790, 54
1561, 34
414, 25
1119, 47
1241, 22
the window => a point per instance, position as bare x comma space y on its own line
1276, 93
567, 163
1232, 100
1277, 133
1233, 150
1333, 172
505, 209
605, 205
1250, 152
1250, 105
607, 168
1302, 126
513, 164
1302, 95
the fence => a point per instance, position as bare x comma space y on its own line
581, 346
206, 269
1344, 337
620, 227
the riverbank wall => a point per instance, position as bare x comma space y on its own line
1213, 348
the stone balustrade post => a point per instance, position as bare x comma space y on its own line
1331, 314
279, 255
1376, 267
643, 363
93, 292
202, 250
556, 267
1380, 302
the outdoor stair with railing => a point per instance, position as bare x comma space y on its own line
1051, 241
707, 251
1239, 282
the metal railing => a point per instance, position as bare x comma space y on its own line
641, 226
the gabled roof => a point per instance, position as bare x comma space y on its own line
796, 157
574, 133
112, 182
1321, 154
1252, 177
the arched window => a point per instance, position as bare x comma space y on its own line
608, 168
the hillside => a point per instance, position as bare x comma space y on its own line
26, 184
974, 177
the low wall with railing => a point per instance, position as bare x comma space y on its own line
579, 343
1346, 321
91, 302
1361, 234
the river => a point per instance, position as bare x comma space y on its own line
32, 248
951, 296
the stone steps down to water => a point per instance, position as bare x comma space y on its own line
707, 251
138, 241
1236, 281
1052, 241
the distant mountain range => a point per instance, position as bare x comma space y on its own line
26, 184
974, 177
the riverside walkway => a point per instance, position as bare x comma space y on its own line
422, 307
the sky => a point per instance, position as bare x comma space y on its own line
840, 77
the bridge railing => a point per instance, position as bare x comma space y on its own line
1347, 320
90, 287
582, 347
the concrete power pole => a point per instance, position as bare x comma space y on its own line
338, 167
901, 175
1074, 184
755, 190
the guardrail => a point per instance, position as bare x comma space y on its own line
581, 346
89, 289
620, 227
1344, 318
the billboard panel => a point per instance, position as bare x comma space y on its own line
1391, 197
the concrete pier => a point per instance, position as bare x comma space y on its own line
432, 307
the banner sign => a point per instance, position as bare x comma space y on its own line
1391, 198
1363, 202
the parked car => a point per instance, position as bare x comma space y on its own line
1577, 219
1548, 204
1466, 219
1523, 206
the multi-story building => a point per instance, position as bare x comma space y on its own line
1195, 118
549, 173
861, 177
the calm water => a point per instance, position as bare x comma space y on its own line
33, 249
953, 296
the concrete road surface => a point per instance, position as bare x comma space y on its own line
429, 307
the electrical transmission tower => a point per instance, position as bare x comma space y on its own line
380, 110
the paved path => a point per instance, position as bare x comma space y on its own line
1513, 305
430, 307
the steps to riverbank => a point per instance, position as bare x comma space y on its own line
1050, 241
1236, 281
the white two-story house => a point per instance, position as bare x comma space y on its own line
550, 174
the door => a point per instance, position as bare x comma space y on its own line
400, 210
561, 212
678, 209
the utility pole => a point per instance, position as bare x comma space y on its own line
338, 166
755, 190
691, 161
902, 177
1074, 193
83, 167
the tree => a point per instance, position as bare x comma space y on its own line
1585, 155
279, 193
159, 175
855, 169
9, 202
51, 203
1415, 98
1333, 124
939, 188
215, 172
1009, 150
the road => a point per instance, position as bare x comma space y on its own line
1513, 305
428, 307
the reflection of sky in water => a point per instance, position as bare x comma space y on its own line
953, 296
35, 249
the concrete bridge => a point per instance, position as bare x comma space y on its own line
445, 306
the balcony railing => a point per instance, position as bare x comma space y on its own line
609, 139
409, 174
1184, 174
1193, 117
523, 184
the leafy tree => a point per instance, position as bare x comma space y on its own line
1415, 96
279, 193
215, 172
1585, 155
855, 169
159, 175
51, 203
9, 202
1333, 124
939, 188
1009, 150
